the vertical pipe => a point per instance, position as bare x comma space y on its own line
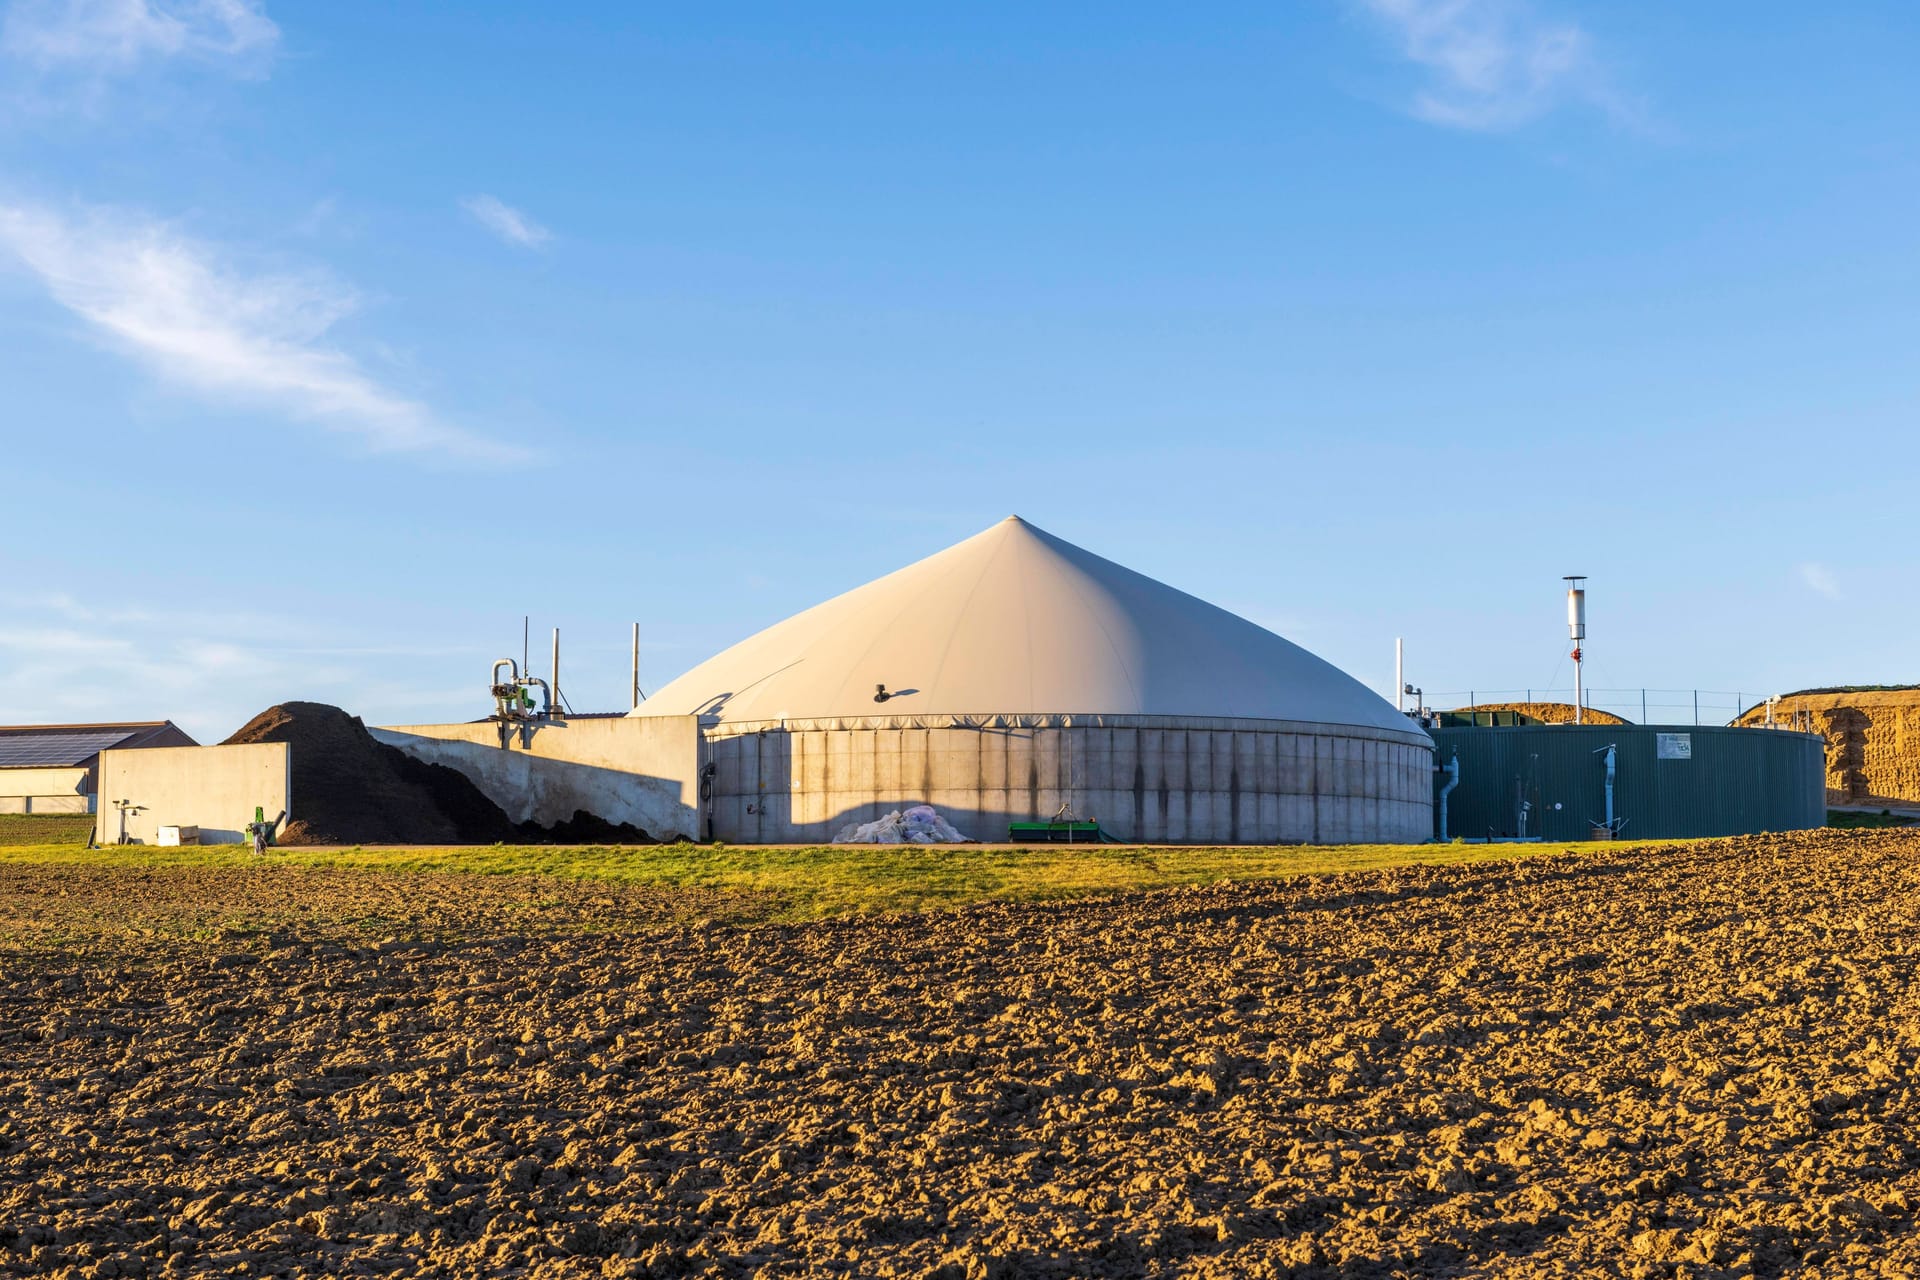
1696, 706
1643, 706
556, 670
636, 666
1399, 674
1610, 769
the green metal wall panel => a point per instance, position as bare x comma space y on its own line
1733, 781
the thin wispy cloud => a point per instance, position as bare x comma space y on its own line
257, 339
506, 222
105, 36
1494, 65
1819, 579
211, 672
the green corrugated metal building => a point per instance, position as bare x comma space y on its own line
1549, 780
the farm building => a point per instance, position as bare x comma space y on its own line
55, 768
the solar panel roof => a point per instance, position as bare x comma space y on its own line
55, 750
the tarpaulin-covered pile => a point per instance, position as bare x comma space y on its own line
921, 824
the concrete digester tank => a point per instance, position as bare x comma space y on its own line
1014, 677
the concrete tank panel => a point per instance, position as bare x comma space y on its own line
1147, 779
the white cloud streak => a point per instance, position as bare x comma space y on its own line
1820, 580
106, 36
506, 222
1495, 65
256, 339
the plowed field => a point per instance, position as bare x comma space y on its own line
1696, 1061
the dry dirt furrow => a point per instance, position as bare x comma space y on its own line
1695, 1062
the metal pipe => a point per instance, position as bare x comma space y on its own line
1611, 756
513, 670
1452, 770
1399, 674
636, 666
546, 694
556, 667
1610, 753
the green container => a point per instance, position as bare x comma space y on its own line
1670, 781
1053, 833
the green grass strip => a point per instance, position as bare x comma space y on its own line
819, 881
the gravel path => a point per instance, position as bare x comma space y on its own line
1694, 1062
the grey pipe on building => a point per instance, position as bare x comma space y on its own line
556, 667
1452, 770
1611, 753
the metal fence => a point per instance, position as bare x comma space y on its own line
1642, 706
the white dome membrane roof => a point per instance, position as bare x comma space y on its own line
1017, 622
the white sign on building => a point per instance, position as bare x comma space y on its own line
1673, 746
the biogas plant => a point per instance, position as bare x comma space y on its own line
1017, 688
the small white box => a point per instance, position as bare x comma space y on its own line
178, 835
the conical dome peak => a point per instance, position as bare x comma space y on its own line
1016, 622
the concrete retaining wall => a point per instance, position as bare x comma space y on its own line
643, 771
213, 788
1314, 784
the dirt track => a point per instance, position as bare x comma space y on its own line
1693, 1063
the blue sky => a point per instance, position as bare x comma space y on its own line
334, 338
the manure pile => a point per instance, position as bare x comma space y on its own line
1693, 1062
350, 789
